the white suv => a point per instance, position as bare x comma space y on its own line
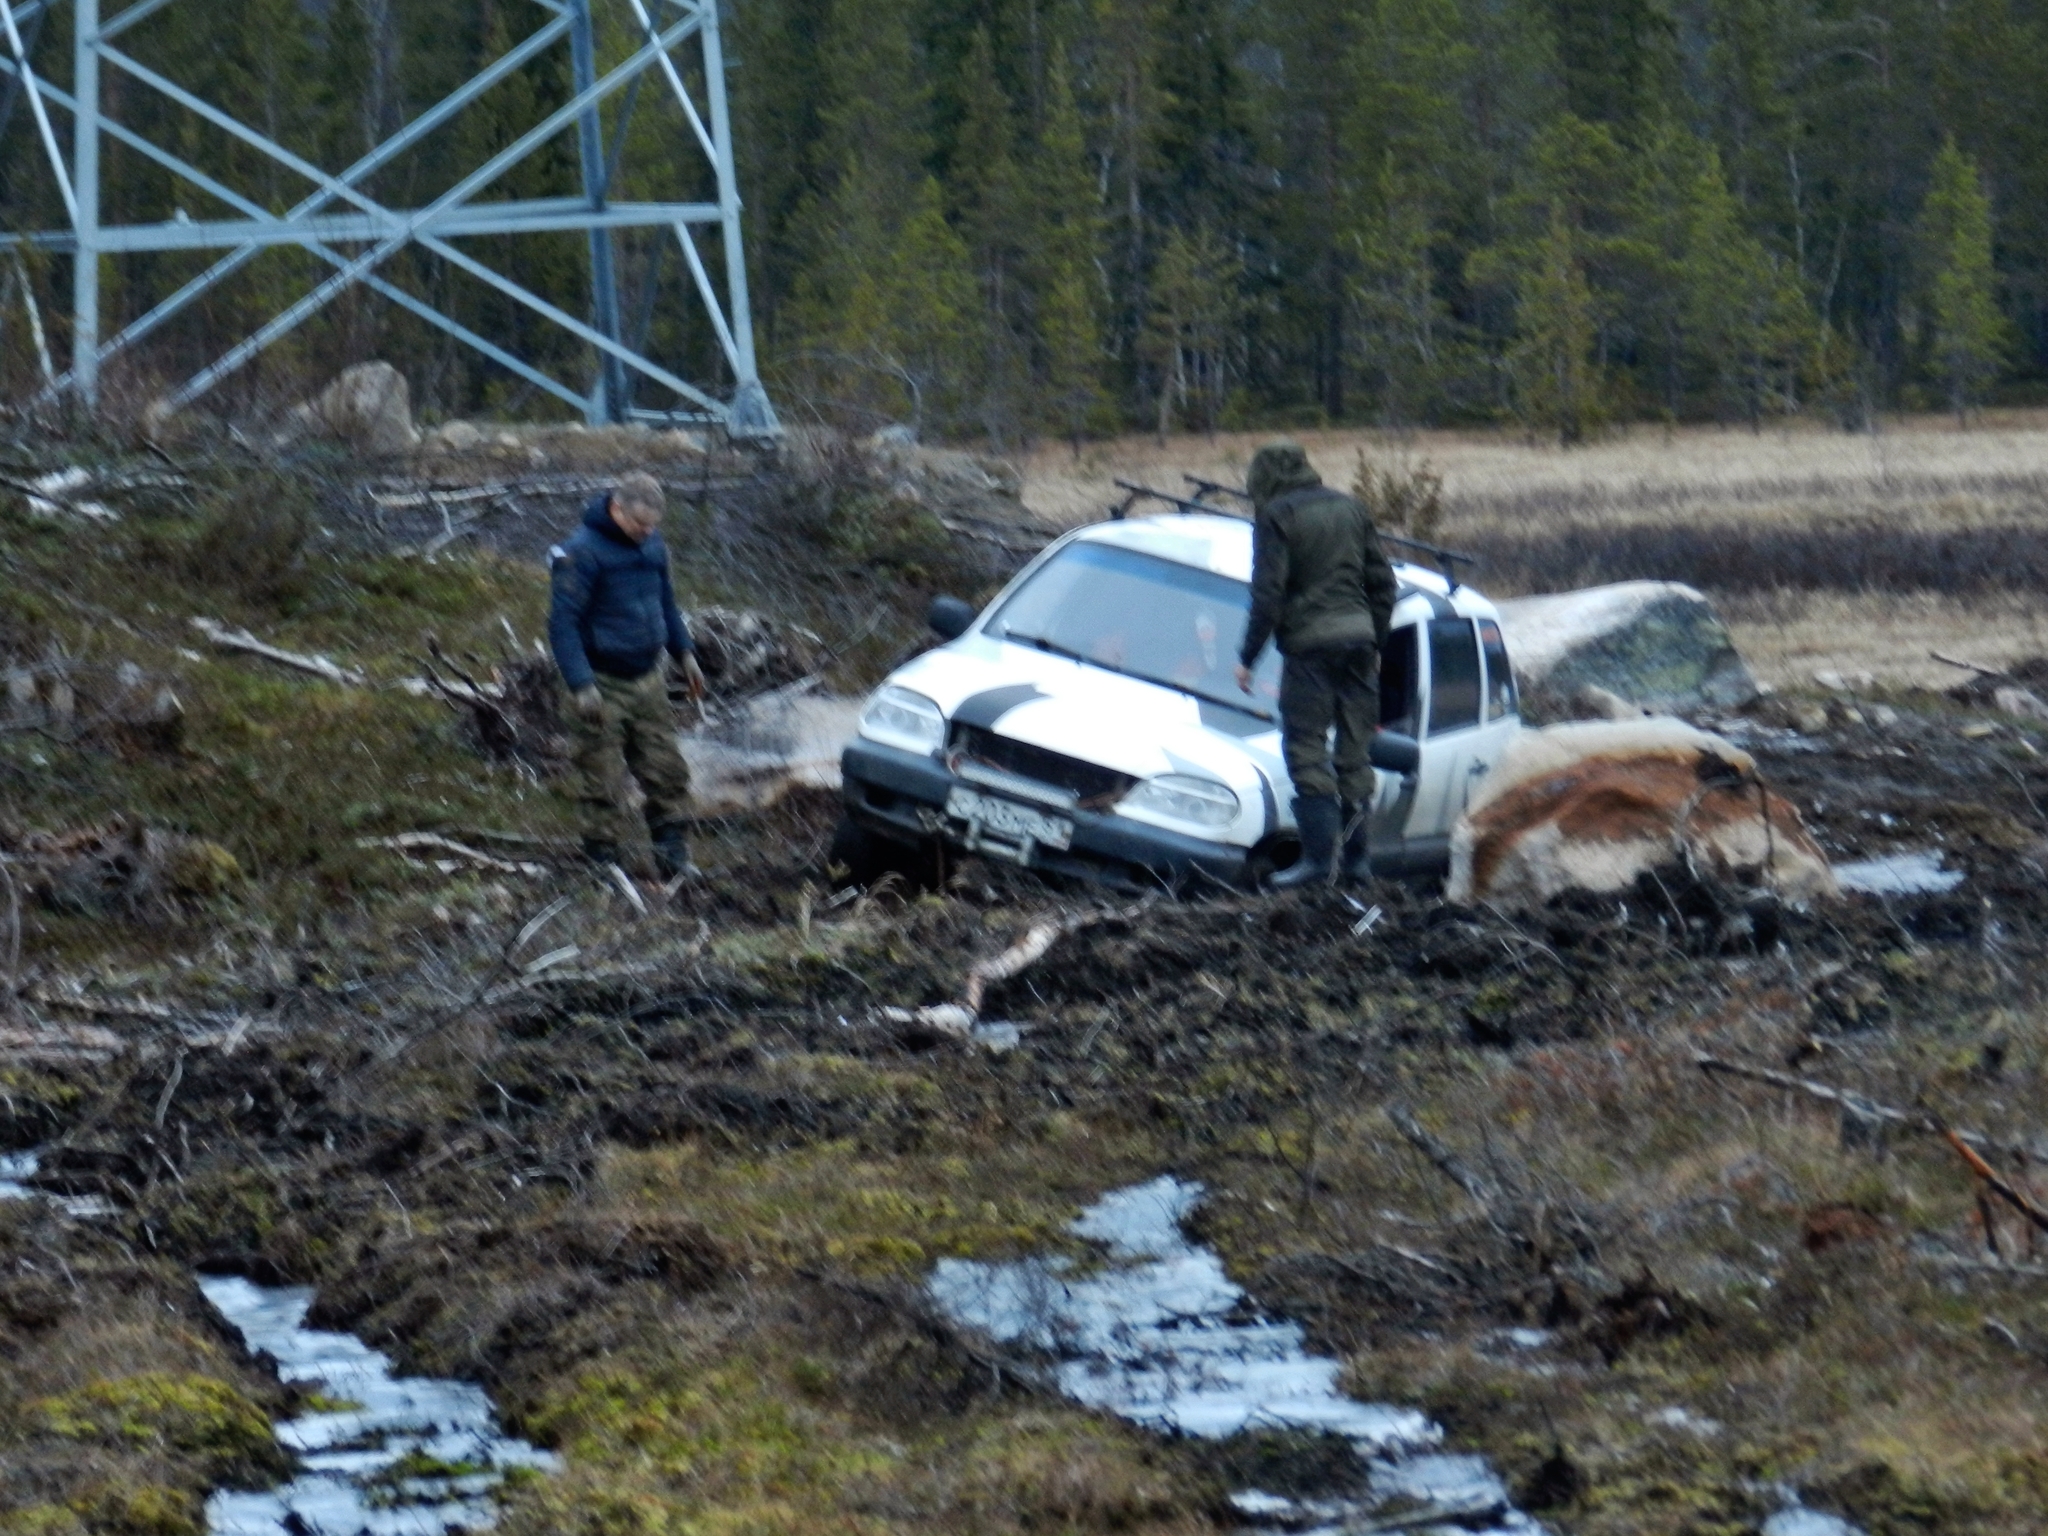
1087, 721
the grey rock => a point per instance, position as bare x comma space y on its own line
1657, 644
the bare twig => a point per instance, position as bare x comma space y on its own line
940, 1330
1446, 1161
1855, 1103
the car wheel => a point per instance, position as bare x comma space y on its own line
861, 856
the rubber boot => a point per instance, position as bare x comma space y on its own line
1354, 863
600, 851
1318, 818
672, 854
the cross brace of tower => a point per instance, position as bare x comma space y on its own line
355, 234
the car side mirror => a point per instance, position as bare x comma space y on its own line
949, 617
1394, 752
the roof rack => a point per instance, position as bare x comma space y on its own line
1137, 493
1448, 560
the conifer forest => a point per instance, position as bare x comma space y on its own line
1001, 220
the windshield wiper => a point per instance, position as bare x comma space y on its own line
1053, 647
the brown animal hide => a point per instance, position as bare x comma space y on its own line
1592, 807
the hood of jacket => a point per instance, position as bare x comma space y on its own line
597, 517
1277, 469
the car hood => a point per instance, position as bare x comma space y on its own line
1123, 723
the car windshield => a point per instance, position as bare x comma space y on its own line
1145, 617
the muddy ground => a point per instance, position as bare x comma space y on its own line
671, 1193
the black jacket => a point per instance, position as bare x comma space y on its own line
614, 608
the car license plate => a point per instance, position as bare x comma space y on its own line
1006, 818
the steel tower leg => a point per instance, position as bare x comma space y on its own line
342, 224
85, 182
750, 414
608, 397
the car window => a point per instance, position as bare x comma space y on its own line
1398, 681
1500, 677
1453, 676
1146, 617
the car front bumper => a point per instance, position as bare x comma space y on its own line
903, 795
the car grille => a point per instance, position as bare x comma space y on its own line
1093, 786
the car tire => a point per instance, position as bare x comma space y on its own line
863, 857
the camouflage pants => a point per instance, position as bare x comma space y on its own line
1320, 689
636, 734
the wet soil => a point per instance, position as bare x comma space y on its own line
1469, 1151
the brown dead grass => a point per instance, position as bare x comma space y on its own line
1922, 466
1889, 636
1921, 473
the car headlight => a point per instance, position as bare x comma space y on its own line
1185, 798
896, 717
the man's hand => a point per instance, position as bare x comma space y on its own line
1244, 677
693, 676
589, 702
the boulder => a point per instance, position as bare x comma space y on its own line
369, 407
1594, 806
1655, 643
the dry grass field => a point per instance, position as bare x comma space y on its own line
1826, 550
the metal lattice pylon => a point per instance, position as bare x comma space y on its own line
336, 213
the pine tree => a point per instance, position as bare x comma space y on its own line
1967, 333
1067, 265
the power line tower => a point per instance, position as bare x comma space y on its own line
355, 234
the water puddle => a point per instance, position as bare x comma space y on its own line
393, 1456
1160, 1336
17, 1168
1797, 1520
1898, 874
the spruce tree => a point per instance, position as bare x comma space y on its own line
1744, 314
1192, 324
1558, 386
1967, 334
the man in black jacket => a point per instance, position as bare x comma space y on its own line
1323, 589
612, 616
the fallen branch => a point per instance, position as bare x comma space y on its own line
241, 640
72, 1042
1995, 1182
1967, 666
51, 494
957, 1019
408, 842
1855, 1103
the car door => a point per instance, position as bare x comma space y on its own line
1455, 744
1393, 809
1500, 713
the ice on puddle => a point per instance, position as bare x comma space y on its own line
1162, 1337
1898, 874
346, 1455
